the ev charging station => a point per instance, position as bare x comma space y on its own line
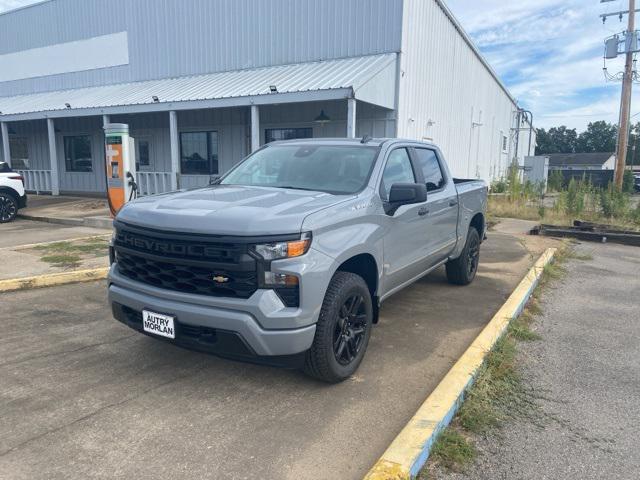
121, 166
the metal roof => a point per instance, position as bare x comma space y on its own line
330, 75
577, 159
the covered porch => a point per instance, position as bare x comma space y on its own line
191, 128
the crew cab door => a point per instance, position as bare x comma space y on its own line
405, 250
441, 220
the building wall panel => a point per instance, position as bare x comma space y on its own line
446, 94
169, 38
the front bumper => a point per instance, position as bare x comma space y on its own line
227, 327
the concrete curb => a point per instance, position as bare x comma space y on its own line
27, 246
409, 451
96, 222
53, 279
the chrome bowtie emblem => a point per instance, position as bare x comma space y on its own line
220, 279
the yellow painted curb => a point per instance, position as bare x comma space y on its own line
409, 451
53, 279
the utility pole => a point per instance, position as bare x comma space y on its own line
625, 101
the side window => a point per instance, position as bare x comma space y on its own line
397, 170
431, 171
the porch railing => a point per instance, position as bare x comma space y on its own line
150, 183
36, 180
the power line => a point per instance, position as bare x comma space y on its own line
629, 42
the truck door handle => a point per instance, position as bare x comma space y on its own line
453, 203
423, 211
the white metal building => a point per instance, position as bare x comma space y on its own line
203, 83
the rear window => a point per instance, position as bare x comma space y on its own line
5, 168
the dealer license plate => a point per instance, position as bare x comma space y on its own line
158, 324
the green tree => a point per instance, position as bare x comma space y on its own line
633, 152
556, 140
599, 136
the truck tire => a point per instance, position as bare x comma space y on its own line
462, 270
343, 329
8, 207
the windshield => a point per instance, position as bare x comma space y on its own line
326, 168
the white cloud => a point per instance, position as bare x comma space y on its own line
549, 53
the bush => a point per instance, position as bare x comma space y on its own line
555, 181
614, 203
635, 214
575, 197
499, 186
628, 182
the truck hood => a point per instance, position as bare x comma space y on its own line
228, 210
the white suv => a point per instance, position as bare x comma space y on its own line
12, 194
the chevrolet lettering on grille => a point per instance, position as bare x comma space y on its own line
167, 248
220, 279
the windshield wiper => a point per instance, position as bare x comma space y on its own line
291, 187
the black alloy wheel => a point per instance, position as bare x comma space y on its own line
473, 253
343, 329
350, 329
8, 208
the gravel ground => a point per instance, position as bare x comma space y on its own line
585, 375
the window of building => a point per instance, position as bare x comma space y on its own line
397, 170
143, 152
431, 171
273, 134
19, 153
199, 153
77, 153
505, 142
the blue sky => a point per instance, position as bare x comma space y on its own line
548, 52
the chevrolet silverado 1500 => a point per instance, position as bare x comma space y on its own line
287, 258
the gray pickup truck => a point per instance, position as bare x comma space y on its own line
286, 259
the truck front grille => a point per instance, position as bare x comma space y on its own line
185, 263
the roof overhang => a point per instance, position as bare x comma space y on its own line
371, 79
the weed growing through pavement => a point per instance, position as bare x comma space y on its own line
65, 261
70, 254
498, 393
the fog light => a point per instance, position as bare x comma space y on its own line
280, 279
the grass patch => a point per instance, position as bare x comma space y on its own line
498, 393
62, 260
94, 247
453, 450
71, 254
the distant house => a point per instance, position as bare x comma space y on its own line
582, 161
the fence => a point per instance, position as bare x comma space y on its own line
36, 180
598, 178
150, 183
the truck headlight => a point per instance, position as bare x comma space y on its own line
278, 250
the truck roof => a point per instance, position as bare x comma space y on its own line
369, 141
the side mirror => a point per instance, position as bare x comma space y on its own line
214, 179
406, 194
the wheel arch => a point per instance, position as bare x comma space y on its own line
364, 265
477, 222
10, 191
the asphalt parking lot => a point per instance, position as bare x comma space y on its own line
20, 232
583, 376
17, 264
85, 397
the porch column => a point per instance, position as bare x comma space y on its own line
351, 118
175, 149
6, 151
53, 158
106, 119
255, 128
